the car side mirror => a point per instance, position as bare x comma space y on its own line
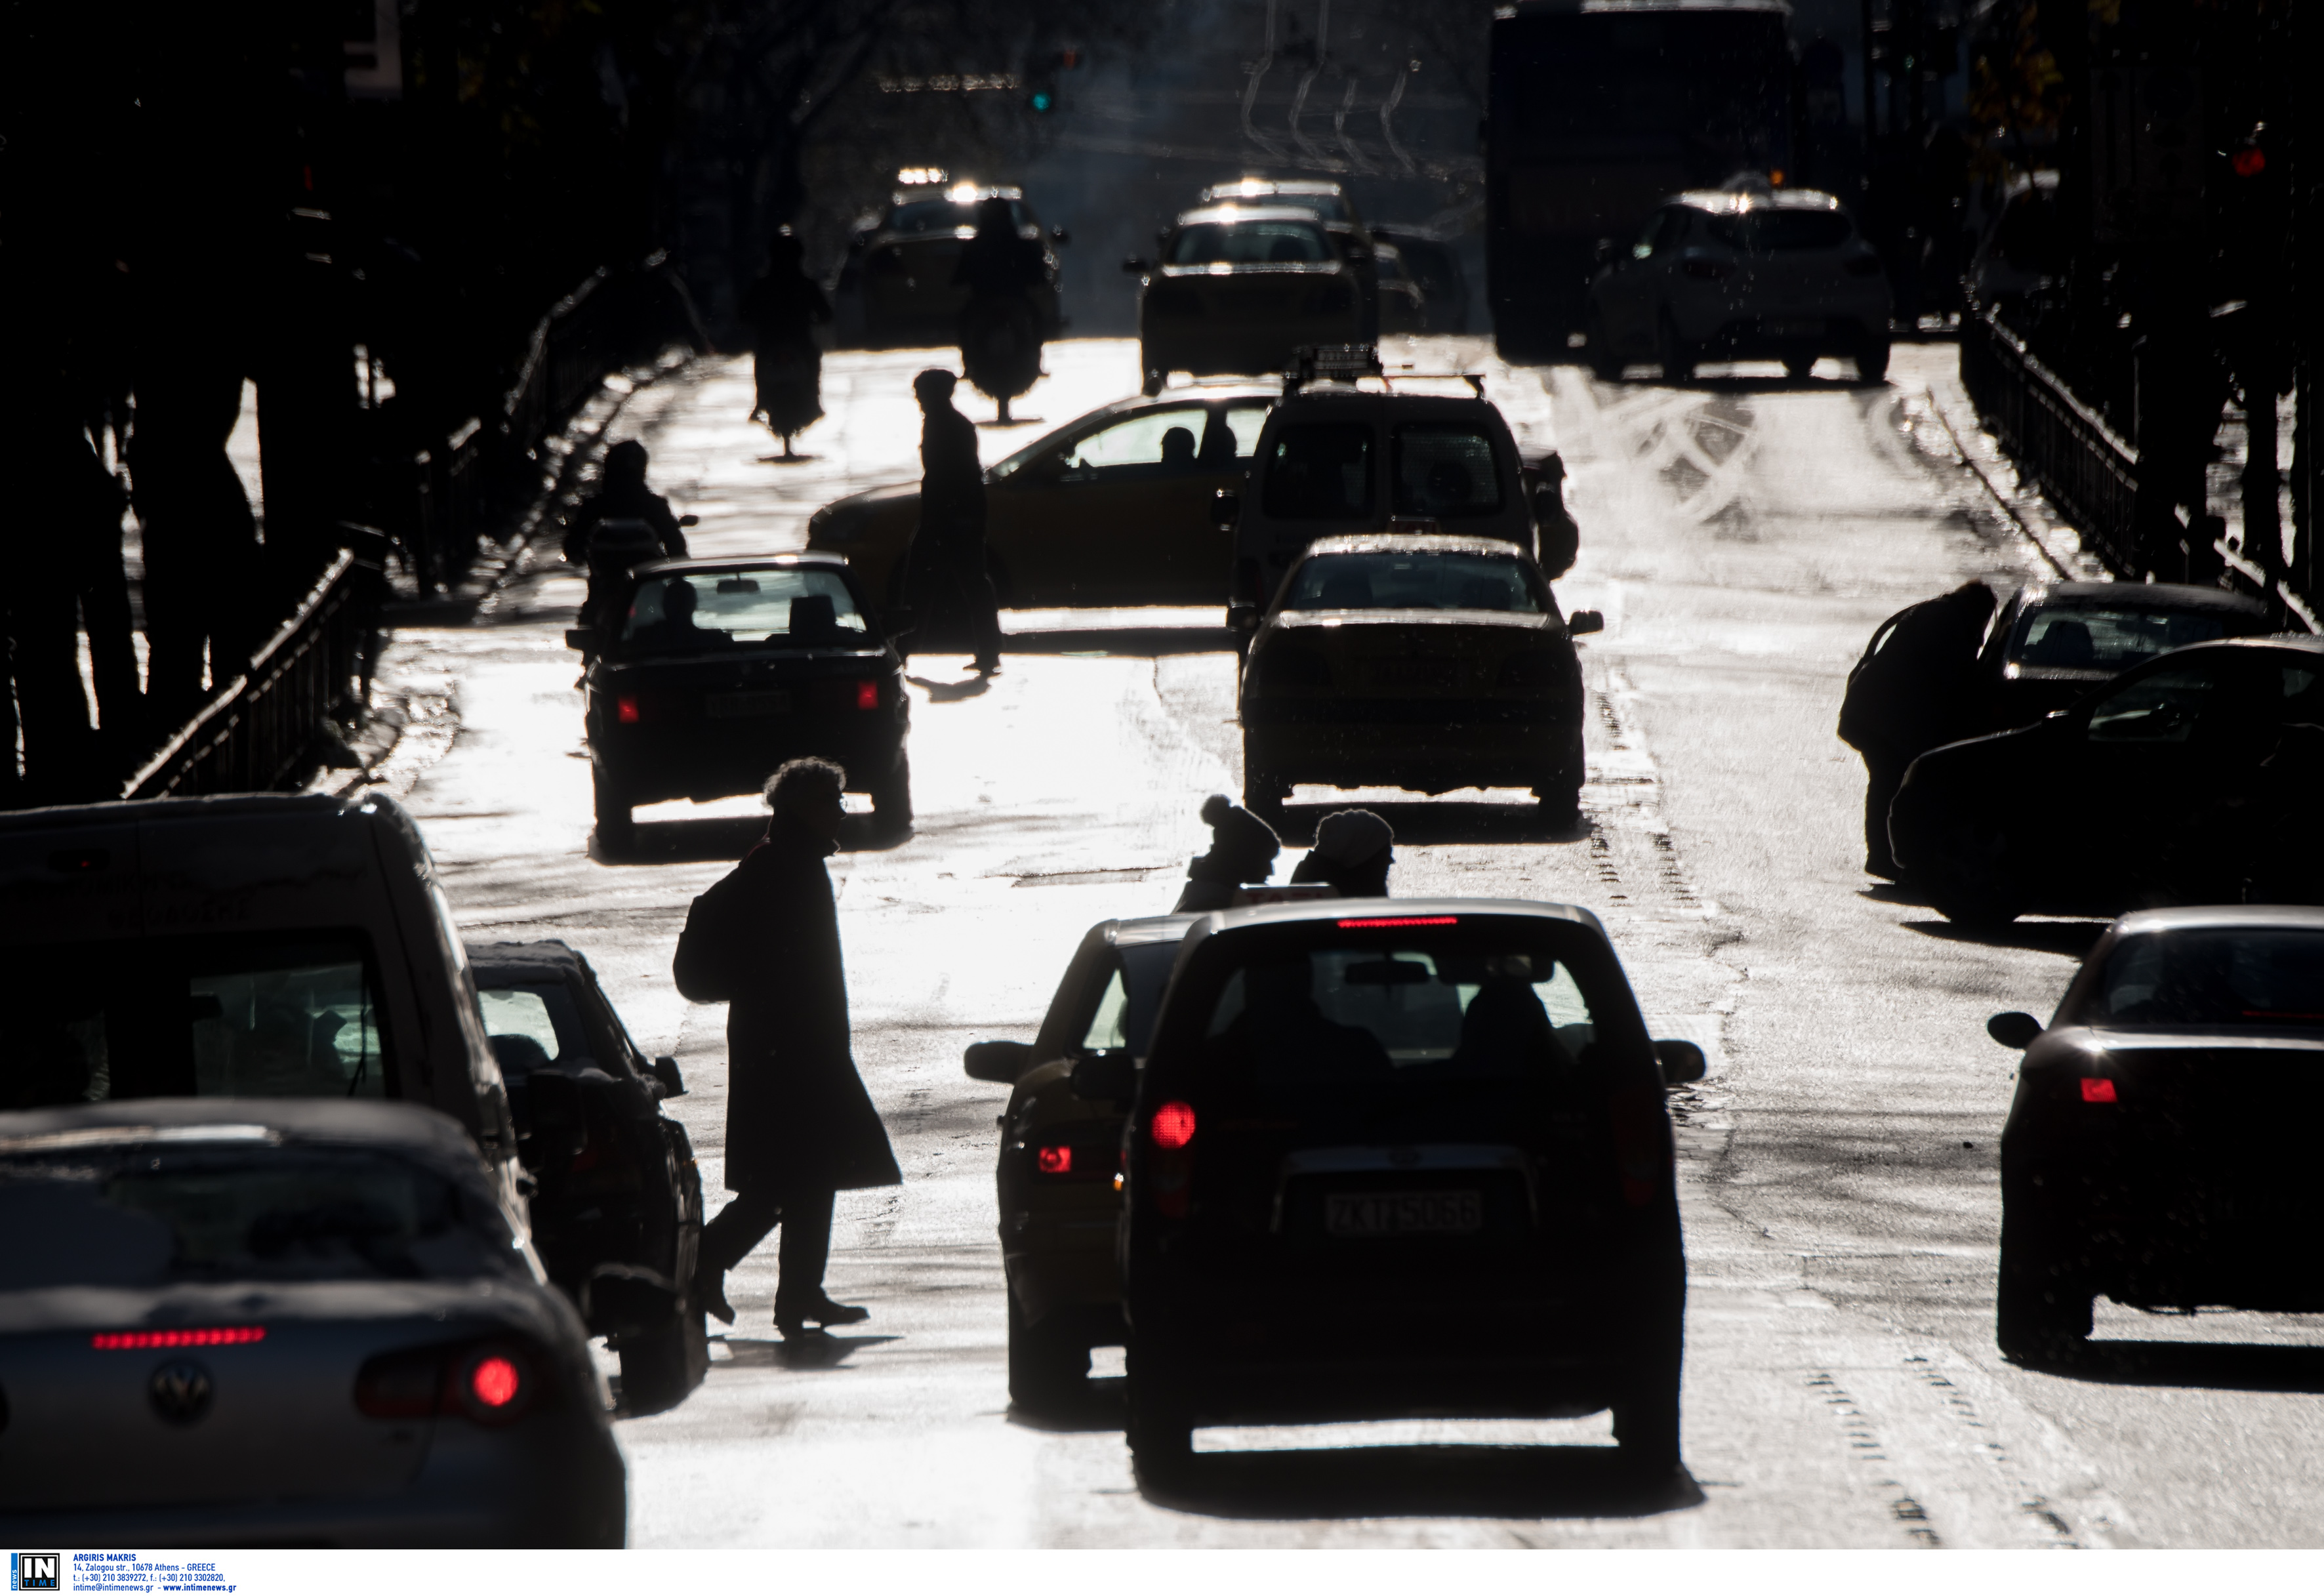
1226, 510
584, 637
1105, 1077
1581, 622
1605, 253
1059, 236
1681, 1062
665, 1070
1133, 264
1000, 1062
689, 520
2014, 1029
1243, 618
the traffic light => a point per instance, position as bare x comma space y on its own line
1041, 95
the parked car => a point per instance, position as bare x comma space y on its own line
618, 1203
1338, 458
1058, 1175
1108, 511
2140, 1162
720, 669
1741, 274
1399, 1159
2191, 779
1237, 288
896, 286
1425, 663
271, 1322
1402, 303
2024, 250
2053, 641
1435, 266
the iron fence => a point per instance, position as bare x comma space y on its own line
2058, 443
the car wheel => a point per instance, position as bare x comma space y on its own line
1604, 363
1973, 884
614, 830
660, 1367
1646, 1424
1678, 357
1872, 357
891, 798
1797, 367
1048, 1365
2040, 1314
1157, 1425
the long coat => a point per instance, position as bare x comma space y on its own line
798, 1119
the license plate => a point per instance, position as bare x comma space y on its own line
1404, 1213
743, 705
1796, 329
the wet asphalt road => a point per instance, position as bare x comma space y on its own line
1839, 1167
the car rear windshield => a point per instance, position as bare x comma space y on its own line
942, 216
802, 606
2227, 978
225, 1016
1781, 231
150, 1214
1413, 582
2078, 639
1320, 471
1251, 243
1404, 1008
1445, 472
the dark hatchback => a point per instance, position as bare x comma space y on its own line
2146, 1158
1402, 1159
617, 1204
720, 669
2191, 779
2055, 641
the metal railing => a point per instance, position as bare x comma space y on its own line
279, 718
2058, 443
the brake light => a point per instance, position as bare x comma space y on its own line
1391, 920
1173, 1126
139, 1341
2097, 1089
625, 709
494, 1382
867, 695
488, 1383
1053, 1160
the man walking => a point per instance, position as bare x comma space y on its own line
947, 553
799, 1126
1915, 689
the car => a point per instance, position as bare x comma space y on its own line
1237, 288
2023, 251
1339, 457
1741, 274
1104, 513
618, 1197
2189, 779
896, 286
1329, 204
282, 1321
1435, 266
1407, 1158
2140, 1160
2053, 641
1402, 304
718, 670
1425, 663
1060, 1155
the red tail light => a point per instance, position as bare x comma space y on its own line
2097, 1089
490, 1382
1174, 1125
867, 695
1053, 1160
625, 709
494, 1382
139, 1341
1415, 919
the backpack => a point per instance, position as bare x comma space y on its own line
704, 964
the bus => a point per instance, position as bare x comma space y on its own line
1599, 110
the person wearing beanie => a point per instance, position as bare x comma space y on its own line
1242, 850
1353, 850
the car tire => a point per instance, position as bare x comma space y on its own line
2041, 1313
615, 830
1604, 363
1872, 358
1973, 885
1048, 1364
1158, 1425
1678, 357
1647, 1424
891, 798
661, 1367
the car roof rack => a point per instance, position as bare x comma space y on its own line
1344, 363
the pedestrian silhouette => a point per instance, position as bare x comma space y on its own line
1915, 689
947, 566
783, 308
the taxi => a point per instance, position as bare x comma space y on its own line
1428, 661
1238, 287
897, 285
1111, 510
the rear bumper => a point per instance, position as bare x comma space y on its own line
1060, 1263
1771, 334
707, 759
1357, 752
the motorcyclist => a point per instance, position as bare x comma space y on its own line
1000, 327
620, 527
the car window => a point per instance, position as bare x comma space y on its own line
278, 1016
1413, 582
1446, 471
1251, 243
1242, 423
1320, 469
932, 215
1781, 231
544, 1015
2235, 977
1160, 440
2078, 639
1402, 1012
704, 609
146, 1214
2162, 706
1107, 1027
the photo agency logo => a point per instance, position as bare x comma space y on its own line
35, 1570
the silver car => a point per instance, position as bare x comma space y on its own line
233, 1321
1741, 274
